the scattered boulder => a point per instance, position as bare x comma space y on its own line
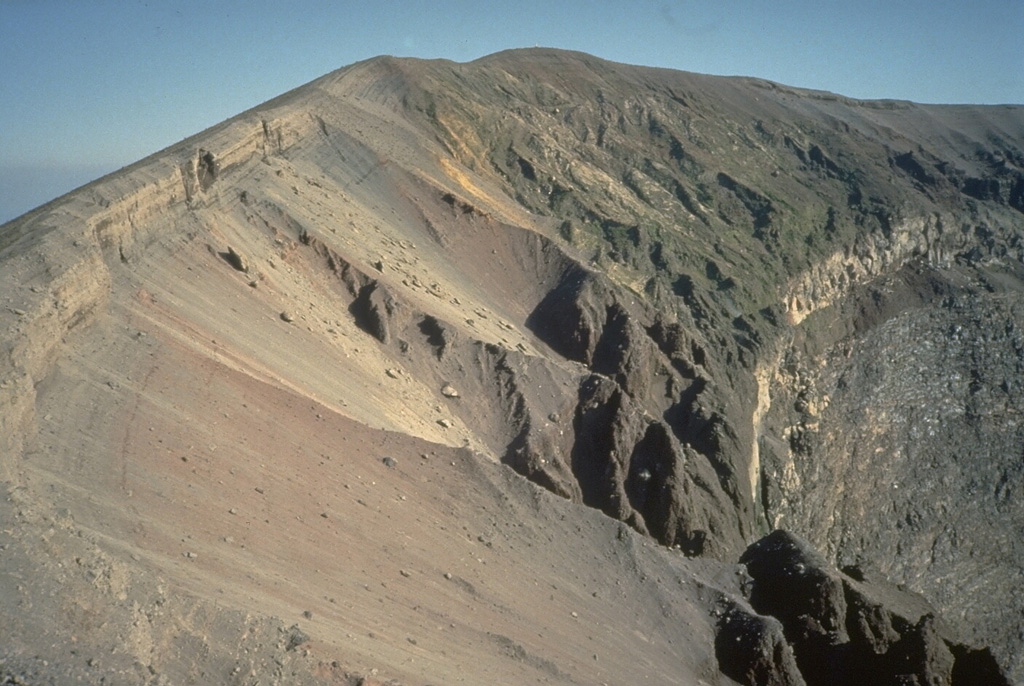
374, 308
235, 259
449, 391
296, 637
287, 317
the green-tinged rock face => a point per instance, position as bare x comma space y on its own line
305, 366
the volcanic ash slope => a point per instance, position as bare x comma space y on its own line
503, 372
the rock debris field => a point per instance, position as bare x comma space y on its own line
535, 369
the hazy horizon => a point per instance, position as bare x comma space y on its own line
96, 86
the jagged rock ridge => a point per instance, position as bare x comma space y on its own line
706, 307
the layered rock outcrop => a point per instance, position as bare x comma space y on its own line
709, 308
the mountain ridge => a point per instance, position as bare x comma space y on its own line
685, 261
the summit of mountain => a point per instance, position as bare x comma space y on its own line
538, 367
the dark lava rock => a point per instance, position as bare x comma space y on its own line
753, 650
841, 630
792, 581
374, 309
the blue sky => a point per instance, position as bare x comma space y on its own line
87, 86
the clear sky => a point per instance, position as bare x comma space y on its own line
87, 86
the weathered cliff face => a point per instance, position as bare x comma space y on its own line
708, 308
915, 415
839, 274
793, 238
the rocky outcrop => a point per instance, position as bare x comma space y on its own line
752, 650
930, 239
644, 454
636, 470
842, 629
374, 309
708, 308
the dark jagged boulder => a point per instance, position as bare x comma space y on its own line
792, 581
752, 649
846, 628
373, 309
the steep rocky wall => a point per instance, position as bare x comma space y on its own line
725, 307
938, 240
777, 260
891, 439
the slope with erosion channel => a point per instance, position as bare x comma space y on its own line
204, 407
776, 229
277, 368
193, 465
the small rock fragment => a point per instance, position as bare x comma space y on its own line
297, 638
287, 317
236, 260
390, 462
